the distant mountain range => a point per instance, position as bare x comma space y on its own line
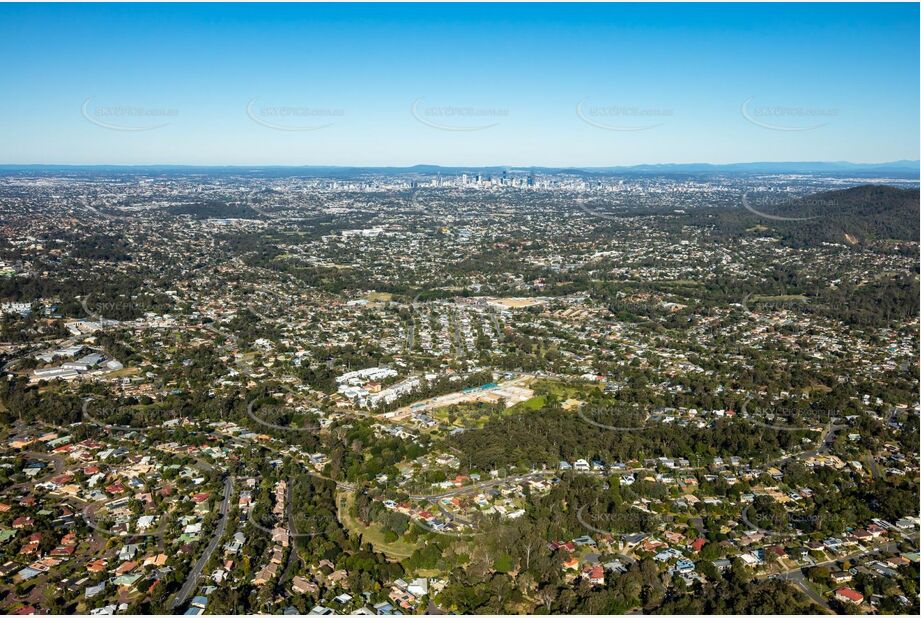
791, 167
901, 168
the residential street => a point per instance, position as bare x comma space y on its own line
191, 581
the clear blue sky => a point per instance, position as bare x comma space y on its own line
212, 83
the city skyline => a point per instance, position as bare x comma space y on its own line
458, 85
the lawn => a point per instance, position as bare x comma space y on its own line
564, 391
124, 372
534, 403
373, 534
779, 298
380, 297
467, 415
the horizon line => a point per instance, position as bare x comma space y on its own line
899, 162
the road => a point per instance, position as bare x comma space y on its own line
451, 516
56, 460
828, 438
500, 334
308, 469
798, 578
460, 352
191, 581
891, 547
293, 557
483, 485
873, 467
411, 334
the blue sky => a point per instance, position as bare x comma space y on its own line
500, 84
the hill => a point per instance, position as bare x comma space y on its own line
858, 215
863, 215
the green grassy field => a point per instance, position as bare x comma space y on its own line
396, 550
778, 298
534, 403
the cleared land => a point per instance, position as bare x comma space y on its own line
395, 550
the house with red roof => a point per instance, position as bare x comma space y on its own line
862, 535
31, 545
63, 551
96, 566
652, 545
126, 567
673, 537
775, 550
848, 595
594, 574
568, 546
22, 522
572, 564
115, 488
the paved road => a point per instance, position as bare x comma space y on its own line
873, 467
293, 557
308, 469
829, 437
483, 485
451, 516
411, 334
96, 212
799, 580
500, 334
459, 350
56, 460
797, 573
191, 581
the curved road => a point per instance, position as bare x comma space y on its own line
826, 441
192, 580
475, 487
799, 580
